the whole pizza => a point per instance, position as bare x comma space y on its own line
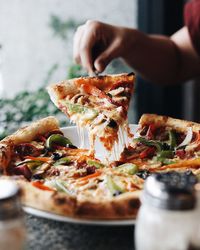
58, 177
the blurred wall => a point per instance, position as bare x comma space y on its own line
37, 36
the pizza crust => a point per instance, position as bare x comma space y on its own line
177, 124
58, 91
124, 206
26, 134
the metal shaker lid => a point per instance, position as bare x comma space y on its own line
10, 206
170, 191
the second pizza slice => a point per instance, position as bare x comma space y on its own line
99, 104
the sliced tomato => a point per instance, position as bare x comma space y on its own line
151, 131
181, 153
40, 185
43, 159
149, 152
93, 90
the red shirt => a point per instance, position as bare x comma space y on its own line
192, 21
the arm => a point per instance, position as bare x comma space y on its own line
157, 58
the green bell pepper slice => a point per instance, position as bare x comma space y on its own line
62, 161
150, 143
113, 187
89, 113
57, 139
166, 154
96, 164
172, 139
165, 157
127, 168
32, 164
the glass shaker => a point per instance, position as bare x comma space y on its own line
12, 227
1, 76
167, 218
195, 242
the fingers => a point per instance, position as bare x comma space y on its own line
95, 45
113, 51
76, 44
84, 40
87, 42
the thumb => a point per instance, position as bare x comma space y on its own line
106, 57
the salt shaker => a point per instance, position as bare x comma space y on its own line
195, 242
167, 218
12, 227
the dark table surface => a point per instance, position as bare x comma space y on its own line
53, 235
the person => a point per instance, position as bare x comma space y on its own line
157, 58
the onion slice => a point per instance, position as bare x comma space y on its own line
187, 139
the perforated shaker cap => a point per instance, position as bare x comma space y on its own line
170, 191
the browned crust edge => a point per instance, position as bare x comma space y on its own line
124, 206
25, 134
177, 124
60, 90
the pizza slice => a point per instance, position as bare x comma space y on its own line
58, 177
165, 144
99, 104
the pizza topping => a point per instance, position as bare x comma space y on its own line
93, 90
127, 168
113, 187
93, 175
187, 139
62, 161
24, 149
112, 124
23, 170
90, 170
58, 140
42, 159
117, 91
148, 152
96, 164
89, 113
165, 154
181, 153
165, 157
150, 132
30, 163
40, 185
158, 145
172, 139
56, 156
60, 186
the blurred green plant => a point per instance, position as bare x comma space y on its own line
62, 28
28, 106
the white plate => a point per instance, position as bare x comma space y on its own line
51, 216
72, 134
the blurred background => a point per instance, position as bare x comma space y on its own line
36, 49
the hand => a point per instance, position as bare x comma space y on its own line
96, 44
